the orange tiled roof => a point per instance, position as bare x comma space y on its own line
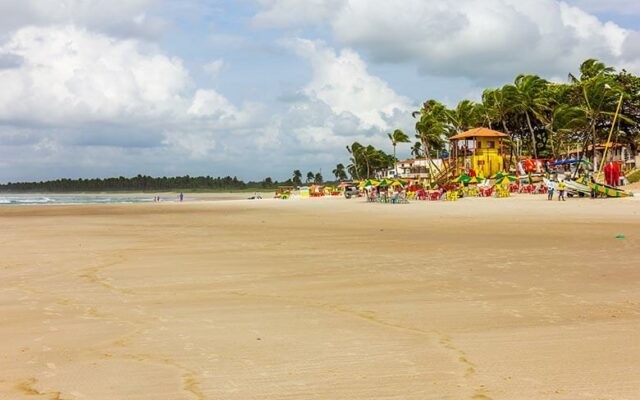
478, 132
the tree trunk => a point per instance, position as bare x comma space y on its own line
506, 130
553, 147
593, 145
533, 136
395, 161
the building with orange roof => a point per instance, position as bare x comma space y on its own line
481, 149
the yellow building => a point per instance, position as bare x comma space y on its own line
479, 148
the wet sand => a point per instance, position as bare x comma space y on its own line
321, 299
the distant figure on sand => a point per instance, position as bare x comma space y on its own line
181, 196
561, 188
550, 189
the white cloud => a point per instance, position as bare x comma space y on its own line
620, 7
214, 67
70, 76
342, 82
117, 17
67, 87
477, 39
282, 13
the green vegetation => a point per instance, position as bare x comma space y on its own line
546, 118
142, 183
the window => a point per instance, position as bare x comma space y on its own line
491, 144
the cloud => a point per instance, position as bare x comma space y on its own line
342, 82
116, 17
70, 76
284, 13
68, 90
214, 67
480, 40
620, 7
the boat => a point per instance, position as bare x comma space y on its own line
609, 191
577, 187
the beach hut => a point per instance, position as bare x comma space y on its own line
481, 149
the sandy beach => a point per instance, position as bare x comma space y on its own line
478, 299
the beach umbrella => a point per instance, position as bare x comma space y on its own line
369, 183
399, 182
506, 179
476, 179
385, 182
462, 179
500, 174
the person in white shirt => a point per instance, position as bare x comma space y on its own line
550, 189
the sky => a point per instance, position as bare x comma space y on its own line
257, 88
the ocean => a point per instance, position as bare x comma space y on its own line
26, 199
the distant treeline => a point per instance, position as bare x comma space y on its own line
140, 183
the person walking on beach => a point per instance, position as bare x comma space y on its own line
181, 196
550, 188
561, 188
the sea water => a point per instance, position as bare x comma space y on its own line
11, 199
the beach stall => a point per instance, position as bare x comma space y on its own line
283, 192
478, 149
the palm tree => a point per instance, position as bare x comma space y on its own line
356, 151
297, 177
598, 94
416, 149
528, 97
317, 179
310, 177
397, 137
466, 115
339, 173
432, 127
590, 69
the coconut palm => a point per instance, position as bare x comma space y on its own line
310, 177
590, 69
297, 177
466, 115
528, 97
397, 137
416, 149
340, 173
432, 127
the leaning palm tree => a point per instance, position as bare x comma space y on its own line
397, 137
416, 149
356, 151
432, 127
466, 115
528, 97
592, 68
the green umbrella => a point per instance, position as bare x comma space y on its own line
386, 182
462, 178
398, 182
476, 179
369, 183
499, 175
506, 179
